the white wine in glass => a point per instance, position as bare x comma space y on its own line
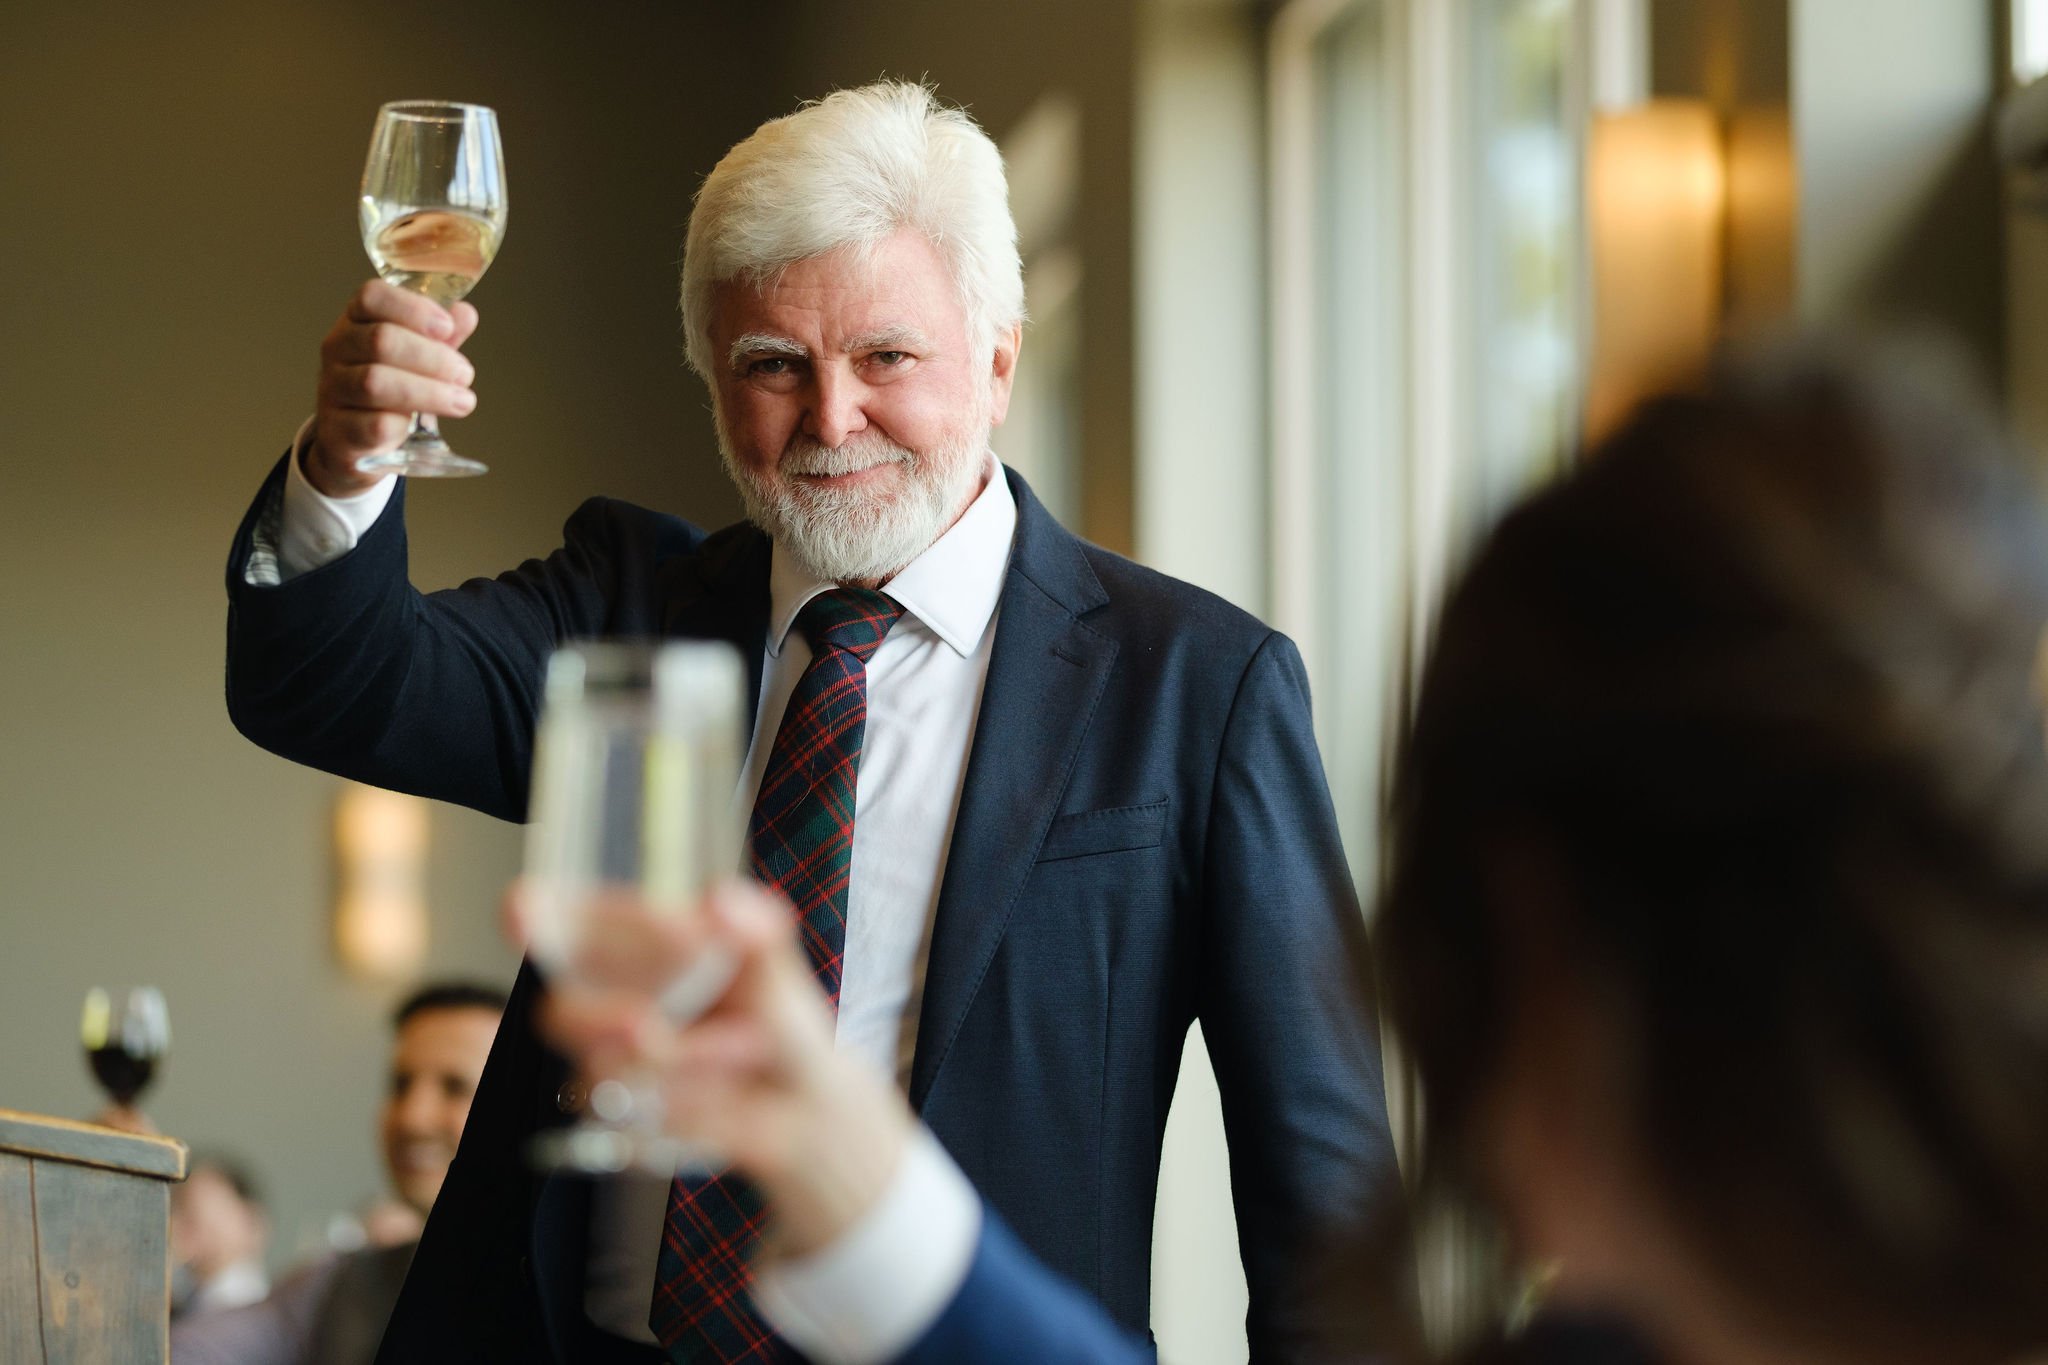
433, 212
437, 252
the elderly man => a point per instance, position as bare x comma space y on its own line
1088, 805
334, 1311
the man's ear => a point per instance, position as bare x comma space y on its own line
1003, 372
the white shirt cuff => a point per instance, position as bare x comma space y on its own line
316, 529
870, 1295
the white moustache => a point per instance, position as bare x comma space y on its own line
808, 458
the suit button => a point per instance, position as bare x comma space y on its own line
569, 1099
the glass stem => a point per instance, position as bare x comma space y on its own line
425, 432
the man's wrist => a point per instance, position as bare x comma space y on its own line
842, 1178
330, 478
315, 529
879, 1286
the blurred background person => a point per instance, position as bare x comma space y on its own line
333, 1311
220, 1232
442, 1034
1719, 897
1716, 929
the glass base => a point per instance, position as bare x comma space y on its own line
423, 456
598, 1149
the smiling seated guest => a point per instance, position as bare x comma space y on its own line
333, 1312
1717, 926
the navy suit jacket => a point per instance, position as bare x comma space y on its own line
1144, 838
1010, 1308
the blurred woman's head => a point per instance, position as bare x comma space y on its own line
1718, 922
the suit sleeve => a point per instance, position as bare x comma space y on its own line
1011, 1307
348, 668
1288, 1013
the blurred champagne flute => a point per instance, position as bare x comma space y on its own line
636, 765
433, 213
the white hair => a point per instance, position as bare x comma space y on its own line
851, 171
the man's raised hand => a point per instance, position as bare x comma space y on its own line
391, 354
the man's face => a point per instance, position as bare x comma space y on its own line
853, 412
435, 1063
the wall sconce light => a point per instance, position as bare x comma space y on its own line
380, 898
1657, 221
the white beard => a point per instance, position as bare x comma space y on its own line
856, 535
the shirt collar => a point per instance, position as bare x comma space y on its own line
953, 587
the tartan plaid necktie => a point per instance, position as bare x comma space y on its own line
799, 841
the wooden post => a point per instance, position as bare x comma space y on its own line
84, 1243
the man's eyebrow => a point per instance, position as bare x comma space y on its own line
889, 339
766, 343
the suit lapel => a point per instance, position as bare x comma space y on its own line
721, 593
1046, 674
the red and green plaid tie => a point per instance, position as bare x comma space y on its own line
800, 841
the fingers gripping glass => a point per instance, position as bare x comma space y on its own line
433, 213
635, 764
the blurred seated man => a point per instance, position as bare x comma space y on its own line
219, 1232
1717, 927
333, 1312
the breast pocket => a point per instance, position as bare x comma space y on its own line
1089, 832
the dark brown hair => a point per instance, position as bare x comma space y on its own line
448, 995
1759, 680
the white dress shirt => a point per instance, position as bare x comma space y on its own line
925, 683
232, 1286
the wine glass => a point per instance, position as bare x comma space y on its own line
433, 213
636, 766
126, 1033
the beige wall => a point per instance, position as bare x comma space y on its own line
177, 219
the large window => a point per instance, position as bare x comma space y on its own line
1526, 197
1340, 383
1427, 338
1422, 367
1427, 343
